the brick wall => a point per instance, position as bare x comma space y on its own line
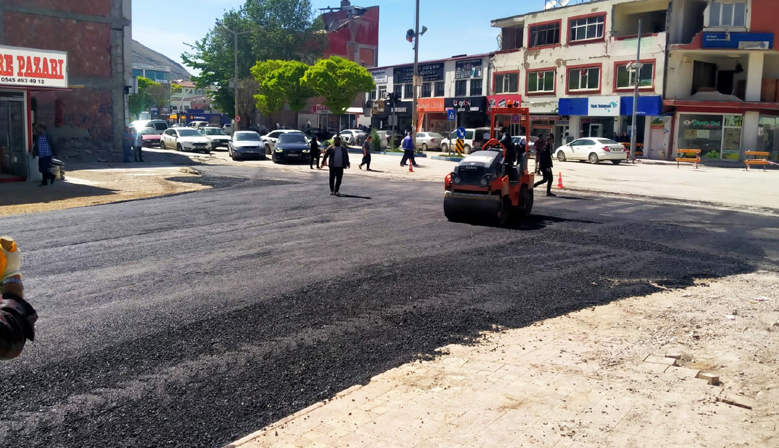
91, 7
84, 113
88, 43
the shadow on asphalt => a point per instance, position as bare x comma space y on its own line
20, 193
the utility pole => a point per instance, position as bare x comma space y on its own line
636, 82
414, 78
235, 73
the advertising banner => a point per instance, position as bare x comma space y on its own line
25, 67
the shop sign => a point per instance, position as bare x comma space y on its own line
467, 104
502, 100
742, 41
430, 105
321, 109
27, 67
471, 68
604, 106
428, 72
403, 107
704, 122
379, 76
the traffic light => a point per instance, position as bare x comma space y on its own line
410, 35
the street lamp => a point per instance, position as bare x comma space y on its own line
235, 74
415, 34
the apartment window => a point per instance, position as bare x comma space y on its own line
439, 88
397, 89
626, 79
461, 88
507, 83
541, 82
730, 14
373, 94
548, 34
383, 91
408, 91
584, 78
427, 90
476, 87
586, 28
137, 73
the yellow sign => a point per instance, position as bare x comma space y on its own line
174, 117
459, 146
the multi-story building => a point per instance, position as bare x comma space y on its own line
65, 65
724, 96
159, 74
572, 67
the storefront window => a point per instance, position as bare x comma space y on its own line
768, 136
731, 143
717, 136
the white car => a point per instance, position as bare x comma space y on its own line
217, 138
270, 139
429, 140
593, 150
353, 136
184, 139
198, 124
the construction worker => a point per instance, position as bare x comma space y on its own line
17, 317
511, 153
545, 166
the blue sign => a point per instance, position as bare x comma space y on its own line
451, 115
741, 41
651, 105
461, 132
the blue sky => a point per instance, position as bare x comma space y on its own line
454, 26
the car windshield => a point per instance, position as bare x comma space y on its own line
213, 131
247, 137
188, 133
160, 126
292, 137
607, 141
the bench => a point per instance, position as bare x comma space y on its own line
749, 162
686, 156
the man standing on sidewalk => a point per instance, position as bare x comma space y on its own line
339, 159
408, 151
545, 165
128, 139
366, 153
138, 147
45, 153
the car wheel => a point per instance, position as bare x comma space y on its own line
162, 144
593, 158
267, 149
274, 159
444, 148
178, 147
467, 149
616, 162
561, 156
424, 146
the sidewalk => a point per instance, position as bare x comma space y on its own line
619, 375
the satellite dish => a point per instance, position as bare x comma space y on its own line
564, 2
549, 4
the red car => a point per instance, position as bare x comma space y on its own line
150, 138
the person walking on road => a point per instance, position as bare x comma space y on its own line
314, 153
339, 159
545, 165
539, 146
17, 317
408, 151
366, 153
45, 153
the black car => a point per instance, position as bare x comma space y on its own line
292, 147
319, 133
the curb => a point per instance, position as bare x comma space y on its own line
448, 159
385, 153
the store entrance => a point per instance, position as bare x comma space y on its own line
13, 152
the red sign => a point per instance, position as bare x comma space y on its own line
321, 109
503, 100
237, 118
28, 67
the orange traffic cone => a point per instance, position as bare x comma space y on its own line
560, 181
410, 166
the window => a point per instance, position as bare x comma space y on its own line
476, 87
137, 72
541, 82
511, 38
397, 89
507, 83
382, 91
584, 78
626, 79
548, 34
373, 95
586, 28
728, 14
427, 90
408, 91
460, 88
439, 88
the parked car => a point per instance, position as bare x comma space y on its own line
593, 150
291, 147
321, 134
429, 140
217, 138
198, 124
260, 129
473, 141
150, 138
353, 136
269, 140
158, 126
245, 144
184, 139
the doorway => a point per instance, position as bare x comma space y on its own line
596, 130
13, 150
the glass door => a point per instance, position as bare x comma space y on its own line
13, 151
595, 130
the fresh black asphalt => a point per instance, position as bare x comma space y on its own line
193, 320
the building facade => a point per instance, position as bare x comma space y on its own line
65, 65
159, 74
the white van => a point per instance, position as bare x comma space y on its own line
473, 141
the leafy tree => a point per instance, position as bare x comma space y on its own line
247, 104
275, 29
339, 81
142, 100
289, 80
159, 95
270, 97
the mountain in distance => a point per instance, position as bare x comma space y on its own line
144, 55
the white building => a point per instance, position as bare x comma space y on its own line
570, 66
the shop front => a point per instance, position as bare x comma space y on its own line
432, 116
334, 123
24, 71
470, 111
717, 136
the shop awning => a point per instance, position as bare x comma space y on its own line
722, 106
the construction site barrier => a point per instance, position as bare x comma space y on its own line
754, 161
639, 148
687, 156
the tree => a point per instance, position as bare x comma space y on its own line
289, 80
247, 104
142, 100
276, 29
159, 95
270, 97
339, 81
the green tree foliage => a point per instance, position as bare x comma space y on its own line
270, 98
143, 100
339, 81
275, 29
282, 80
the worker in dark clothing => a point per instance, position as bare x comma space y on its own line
511, 153
17, 317
545, 166
314, 154
366, 153
339, 159
539, 147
